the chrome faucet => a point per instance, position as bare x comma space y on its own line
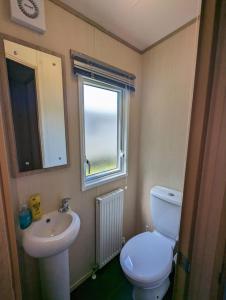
64, 205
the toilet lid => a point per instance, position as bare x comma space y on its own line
147, 257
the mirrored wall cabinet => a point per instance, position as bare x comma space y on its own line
36, 108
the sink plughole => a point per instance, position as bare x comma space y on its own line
54, 233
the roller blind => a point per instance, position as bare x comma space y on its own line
92, 68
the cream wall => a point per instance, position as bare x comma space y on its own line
65, 32
167, 86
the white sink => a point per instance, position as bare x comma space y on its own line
54, 233
49, 239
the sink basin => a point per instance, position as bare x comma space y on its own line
54, 233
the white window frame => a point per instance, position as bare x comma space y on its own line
88, 182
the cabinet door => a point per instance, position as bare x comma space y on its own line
51, 110
21, 54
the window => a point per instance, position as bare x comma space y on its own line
103, 123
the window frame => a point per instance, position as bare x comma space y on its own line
89, 182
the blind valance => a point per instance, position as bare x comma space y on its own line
92, 68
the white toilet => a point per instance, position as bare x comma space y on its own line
146, 259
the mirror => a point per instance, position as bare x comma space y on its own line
37, 106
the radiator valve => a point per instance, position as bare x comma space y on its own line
94, 270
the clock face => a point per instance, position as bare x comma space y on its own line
29, 8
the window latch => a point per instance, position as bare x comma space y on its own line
89, 165
122, 154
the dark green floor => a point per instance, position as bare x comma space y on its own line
110, 284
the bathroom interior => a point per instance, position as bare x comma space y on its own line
96, 110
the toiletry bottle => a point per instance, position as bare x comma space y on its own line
35, 207
25, 218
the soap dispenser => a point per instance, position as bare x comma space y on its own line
25, 217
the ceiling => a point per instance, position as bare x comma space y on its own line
140, 23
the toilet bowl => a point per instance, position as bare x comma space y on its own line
146, 259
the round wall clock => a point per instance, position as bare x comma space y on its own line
29, 8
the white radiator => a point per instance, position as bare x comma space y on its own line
109, 222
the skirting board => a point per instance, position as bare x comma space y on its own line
80, 281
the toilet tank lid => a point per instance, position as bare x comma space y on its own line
169, 195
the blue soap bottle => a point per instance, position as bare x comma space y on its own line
25, 217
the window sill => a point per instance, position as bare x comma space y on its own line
101, 181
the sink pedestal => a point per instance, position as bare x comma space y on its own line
55, 280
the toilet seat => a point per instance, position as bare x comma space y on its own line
146, 259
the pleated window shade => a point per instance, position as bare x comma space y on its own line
92, 68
